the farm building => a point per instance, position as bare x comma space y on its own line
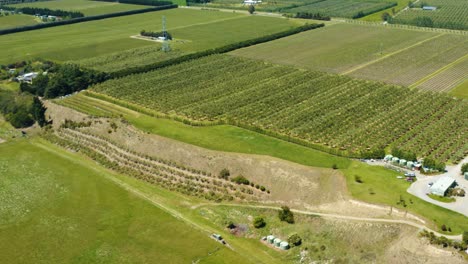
441, 186
402, 162
395, 160
251, 2
28, 77
429, 8
466, 176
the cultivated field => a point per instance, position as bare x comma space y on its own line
448, 78
378, 184
330, 112
334, 8
69, 204
409, 66
12, 21
398, 56
196, 30
452, 14
343, 8
87, 7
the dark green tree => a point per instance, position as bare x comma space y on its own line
38, 111
251, 9
286, 215
295, 240
259, 222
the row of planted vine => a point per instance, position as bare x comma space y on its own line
165, 173
331, 111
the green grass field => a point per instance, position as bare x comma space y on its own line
377, 17
13, 21
58, 208
87, 7
386, 187
198, 30
461, 91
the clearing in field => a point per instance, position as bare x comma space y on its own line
398, 56
70, 205
452, 14
16, 20
200, 30
87, 7
334, 113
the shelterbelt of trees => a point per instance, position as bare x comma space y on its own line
23, 108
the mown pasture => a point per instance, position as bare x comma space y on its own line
378, 185
16, 20
87, 7
398, 56
196, 30
452, 14
59, 208
330, 112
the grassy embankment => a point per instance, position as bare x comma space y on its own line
379, 185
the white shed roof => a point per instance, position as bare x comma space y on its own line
441, 185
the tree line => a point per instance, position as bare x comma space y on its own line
316, 16
45, 11
62, 80
140, 2
83, 19
22, 110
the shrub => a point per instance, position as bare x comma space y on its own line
464, 168
224, 174
240, 180
230, 225
286, 215
335, 167
259, 222
295, 240
443, 227
358, 179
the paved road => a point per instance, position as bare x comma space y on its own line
420, 188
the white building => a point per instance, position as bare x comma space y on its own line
441, 186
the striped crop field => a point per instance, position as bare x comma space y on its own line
452, 14
334, 113
396, 56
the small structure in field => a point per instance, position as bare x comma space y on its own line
441, 186
277, 242
388, 158
28, 77
251, 2
270, 239
466, 176
429, 8
402, 162
409, 164
284, 245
